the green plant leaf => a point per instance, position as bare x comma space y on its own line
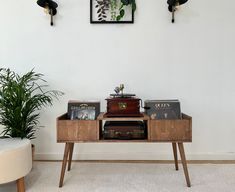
134, 6
118, 18
125, 2
122, 12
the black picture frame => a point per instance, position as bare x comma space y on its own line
92, 21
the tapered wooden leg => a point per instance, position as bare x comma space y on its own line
66, 151
184, 163
71, 145
174, 146
20, 185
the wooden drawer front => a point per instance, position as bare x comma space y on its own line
77, 130
171, 130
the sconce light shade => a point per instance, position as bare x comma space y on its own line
47, 3
50, 5
173, 3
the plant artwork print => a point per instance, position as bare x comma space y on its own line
112, 11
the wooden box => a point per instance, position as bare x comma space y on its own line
123, 107
171, 130
77, 130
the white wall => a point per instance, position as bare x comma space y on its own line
192, 60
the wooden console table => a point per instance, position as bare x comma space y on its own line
78, 131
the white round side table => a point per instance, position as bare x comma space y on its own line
15, 161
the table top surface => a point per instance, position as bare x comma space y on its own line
102, 116
7, 144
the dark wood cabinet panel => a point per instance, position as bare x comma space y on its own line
77, 130
171, 130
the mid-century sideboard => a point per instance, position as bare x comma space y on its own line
170, 131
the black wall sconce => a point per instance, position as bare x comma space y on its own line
172, 7
50, 7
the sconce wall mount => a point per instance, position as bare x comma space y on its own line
172, 4
50, 7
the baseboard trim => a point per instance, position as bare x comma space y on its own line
139, 156
147, 161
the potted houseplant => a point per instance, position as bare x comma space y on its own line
21, 98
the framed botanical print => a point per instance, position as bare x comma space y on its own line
112, 11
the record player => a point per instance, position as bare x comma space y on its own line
123, 105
